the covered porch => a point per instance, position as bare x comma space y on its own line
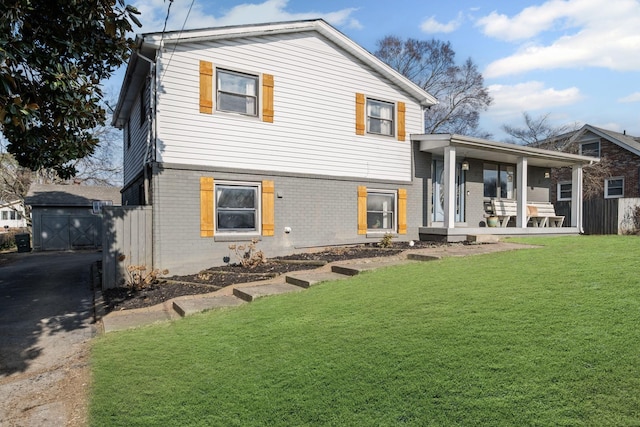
470, 174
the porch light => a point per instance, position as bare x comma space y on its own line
547, 175
465, 165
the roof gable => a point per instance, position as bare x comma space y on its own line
623, 140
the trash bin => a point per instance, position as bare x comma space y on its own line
23, 242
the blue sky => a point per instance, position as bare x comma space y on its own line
576, 60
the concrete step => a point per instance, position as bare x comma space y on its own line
250, 293
185, 307
348, 270
422, 257
306, 280
483, 238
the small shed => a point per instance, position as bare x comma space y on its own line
69, 216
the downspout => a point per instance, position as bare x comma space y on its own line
149, 155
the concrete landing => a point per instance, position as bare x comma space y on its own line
185, 307
250, 293
306, 280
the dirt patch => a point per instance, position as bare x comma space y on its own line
215, 278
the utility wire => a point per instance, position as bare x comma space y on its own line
175, 45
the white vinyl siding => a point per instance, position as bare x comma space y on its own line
314, 113
136, 133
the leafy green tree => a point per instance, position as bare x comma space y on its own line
53, 56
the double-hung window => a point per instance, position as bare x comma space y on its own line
381, 211
237, 207
237, 92
380, 117
564, 190
614, 187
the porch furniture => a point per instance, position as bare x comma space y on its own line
544, 214
504, 210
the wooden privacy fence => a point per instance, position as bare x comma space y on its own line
126, 242
604, 216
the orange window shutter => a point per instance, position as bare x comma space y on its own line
206, 87
267, 98
268, 208
360, 106
362, 209
402, 211
207, 198
402, 109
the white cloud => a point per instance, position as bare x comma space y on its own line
512, 100
634, 97
153, 13
430, 25
588, 33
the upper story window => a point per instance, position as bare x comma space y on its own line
590, 149
237, 92
380, 117
614, 187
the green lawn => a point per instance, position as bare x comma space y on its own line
536, 337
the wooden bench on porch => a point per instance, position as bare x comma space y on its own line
543, 214
504, 210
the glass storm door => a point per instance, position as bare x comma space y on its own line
437, 201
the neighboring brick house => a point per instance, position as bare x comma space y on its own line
616, 176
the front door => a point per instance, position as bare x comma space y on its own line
437, 201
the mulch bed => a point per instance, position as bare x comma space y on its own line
215, 278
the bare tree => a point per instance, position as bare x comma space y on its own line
431, 65
104, 165
538, 132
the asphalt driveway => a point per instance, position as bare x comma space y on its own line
46, 321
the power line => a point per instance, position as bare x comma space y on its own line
175, 45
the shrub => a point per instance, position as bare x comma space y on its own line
248, 255
386, 242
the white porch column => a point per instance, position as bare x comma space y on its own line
576, 197
449, 187
521, 192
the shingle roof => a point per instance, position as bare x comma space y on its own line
70, 195
629, 142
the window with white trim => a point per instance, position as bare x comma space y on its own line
380, 117
237, 207
614, 187
564, 190
381, 211
237, 92
590, 149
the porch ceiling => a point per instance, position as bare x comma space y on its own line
500, 152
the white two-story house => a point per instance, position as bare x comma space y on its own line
294, 135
